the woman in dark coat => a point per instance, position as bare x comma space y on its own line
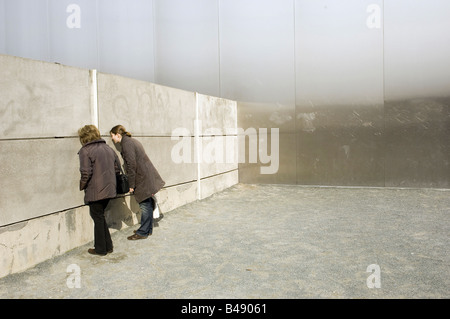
99, 166
143, 178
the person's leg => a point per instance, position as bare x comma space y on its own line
102, 237
146, 208
108, 240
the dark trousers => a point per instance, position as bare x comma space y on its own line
102, 237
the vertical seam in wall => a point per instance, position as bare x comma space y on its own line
197, 144
154, 41
48, 53
97, 29
218, 45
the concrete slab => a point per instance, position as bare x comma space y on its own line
144, 108
40, 99
267, 241
219, 154
31, 242
175, 196
216, 113
217, 183
39, 177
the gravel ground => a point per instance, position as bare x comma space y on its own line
267, 241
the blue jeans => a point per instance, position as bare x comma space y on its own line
146, 208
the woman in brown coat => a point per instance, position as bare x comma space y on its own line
143, 178
99, 166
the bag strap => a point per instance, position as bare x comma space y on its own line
121, 170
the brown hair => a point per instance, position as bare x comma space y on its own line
88, 133
119, 129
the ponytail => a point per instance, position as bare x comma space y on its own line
119, 129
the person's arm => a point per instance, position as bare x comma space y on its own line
116, 164
129, 157
85, 169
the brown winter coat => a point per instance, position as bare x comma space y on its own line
99, 165
142, 175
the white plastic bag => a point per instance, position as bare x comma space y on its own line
156, 208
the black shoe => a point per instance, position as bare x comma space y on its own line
93, 252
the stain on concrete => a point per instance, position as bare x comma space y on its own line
13, 227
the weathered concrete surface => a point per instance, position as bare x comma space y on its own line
28, 243
38, 177
144, 108
219, 155
217, 183
40, 99
217, 113
268, 241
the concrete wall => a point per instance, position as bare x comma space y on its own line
42, 105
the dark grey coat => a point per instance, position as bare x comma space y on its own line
99, 166
142, 175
